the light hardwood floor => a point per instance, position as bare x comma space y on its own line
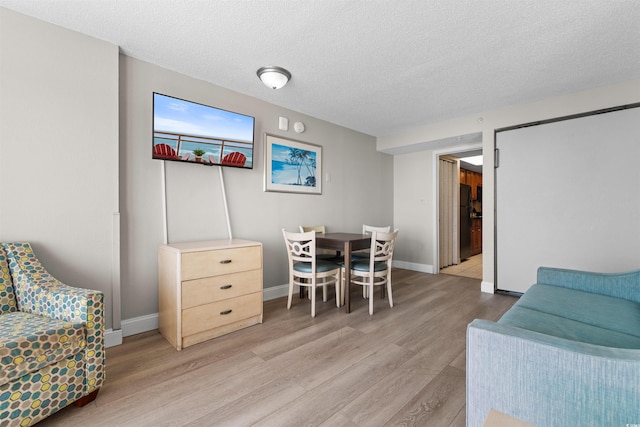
471, 267
403, 366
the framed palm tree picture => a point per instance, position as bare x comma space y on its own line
292, 166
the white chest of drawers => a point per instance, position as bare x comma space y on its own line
208, 289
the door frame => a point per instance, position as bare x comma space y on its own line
436, 194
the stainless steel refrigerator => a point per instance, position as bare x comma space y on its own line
465, 221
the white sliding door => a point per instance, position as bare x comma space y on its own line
567, 195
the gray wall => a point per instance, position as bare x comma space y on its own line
360, 189
59, 149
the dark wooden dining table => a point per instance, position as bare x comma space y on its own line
345, 242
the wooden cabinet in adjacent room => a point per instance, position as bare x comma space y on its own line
476, 236
473, 179
208, 289
463, 176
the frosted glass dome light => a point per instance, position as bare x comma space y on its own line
274, 77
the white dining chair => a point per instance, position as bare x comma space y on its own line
376, 271
368, 229
324, 254
305, 270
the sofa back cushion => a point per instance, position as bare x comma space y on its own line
7, 293
577, 316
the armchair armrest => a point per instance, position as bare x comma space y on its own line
38, 292
619, 285
548, 381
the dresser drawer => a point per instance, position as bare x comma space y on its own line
216, 288
196, 265
209, 316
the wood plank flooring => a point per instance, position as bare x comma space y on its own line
403, 366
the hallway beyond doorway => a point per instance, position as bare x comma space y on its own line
471, 267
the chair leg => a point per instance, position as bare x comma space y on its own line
389, 292
325, 294
312, 291
302, 290
371, 297
343, 288
291, 294
338, 290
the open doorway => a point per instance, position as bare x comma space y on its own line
460, 213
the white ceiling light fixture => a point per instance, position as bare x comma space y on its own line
274, 77
474, 160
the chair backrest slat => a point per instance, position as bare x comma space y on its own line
316, 228
301, 247
368, 229
382, 245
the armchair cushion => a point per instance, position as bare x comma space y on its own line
29, 342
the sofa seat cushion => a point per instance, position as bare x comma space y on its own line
29, 342
561, 327
614, 314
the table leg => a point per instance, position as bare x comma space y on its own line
347, 276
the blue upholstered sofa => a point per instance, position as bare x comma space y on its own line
566, 354
51, 340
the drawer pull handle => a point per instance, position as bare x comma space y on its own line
226, 287
224, 313
225, 261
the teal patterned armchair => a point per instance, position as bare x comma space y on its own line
51, 340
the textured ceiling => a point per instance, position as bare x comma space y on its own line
376, 66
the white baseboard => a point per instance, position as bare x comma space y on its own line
112, 338
138, 325
414, 266
133, 326
487, 287
275, 292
